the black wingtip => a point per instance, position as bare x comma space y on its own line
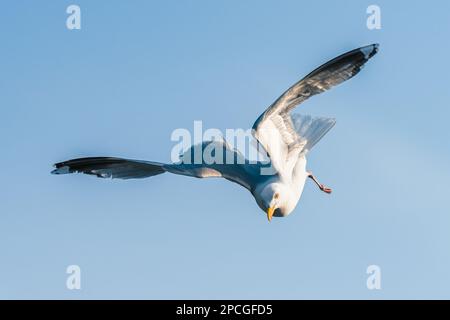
370, 50
376, 47
60, 168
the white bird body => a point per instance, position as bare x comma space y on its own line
289, 188
286, 138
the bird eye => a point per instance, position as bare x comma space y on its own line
276, 195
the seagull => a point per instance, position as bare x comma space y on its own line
286, 139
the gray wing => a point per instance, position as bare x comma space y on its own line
217, 159
274, 128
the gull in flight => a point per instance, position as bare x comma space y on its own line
285, 137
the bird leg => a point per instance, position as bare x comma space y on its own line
321, 186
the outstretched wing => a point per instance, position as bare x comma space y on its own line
274, 129
209, 159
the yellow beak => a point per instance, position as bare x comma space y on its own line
270, 212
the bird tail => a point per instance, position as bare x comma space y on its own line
109, 167
311, 129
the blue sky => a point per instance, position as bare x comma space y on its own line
135, 72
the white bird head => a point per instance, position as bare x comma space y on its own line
276, 200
